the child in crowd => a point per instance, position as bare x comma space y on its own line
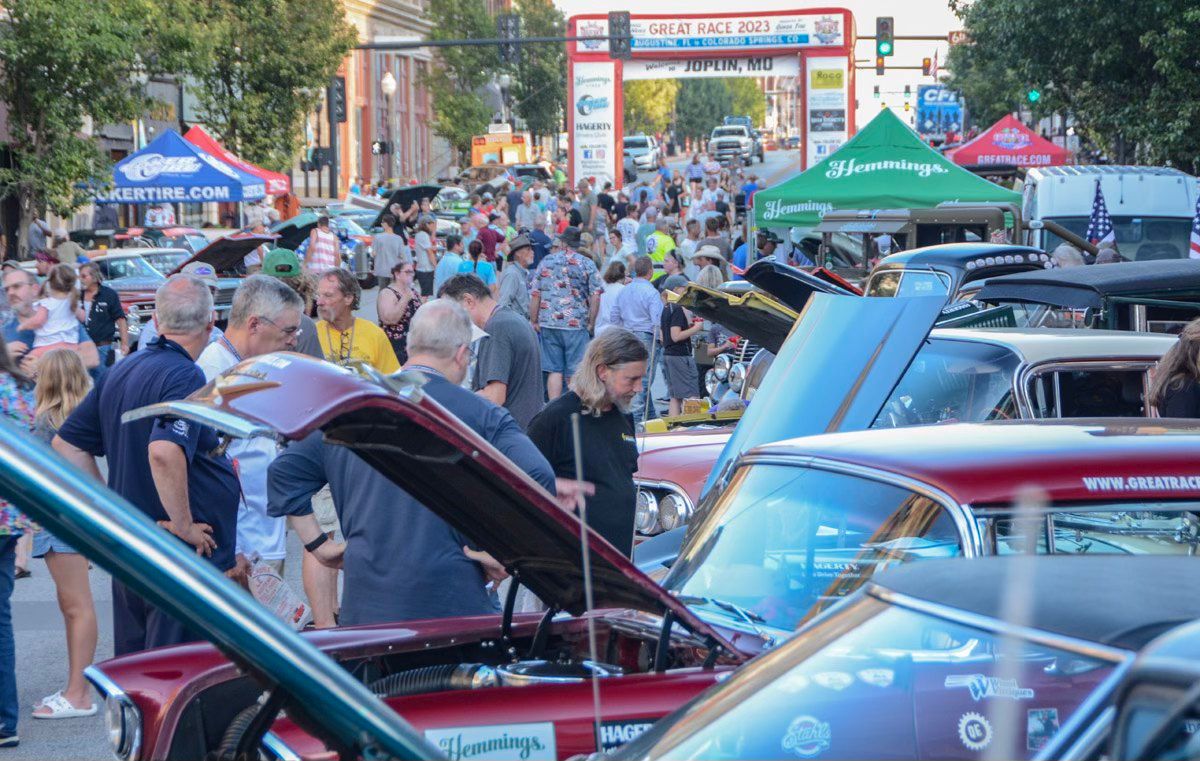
55, 320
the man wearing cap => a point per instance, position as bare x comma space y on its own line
514, 279
207, 275
489, 236
660, 243
285, 264
706, 255
44, 261
564, 296
343, 336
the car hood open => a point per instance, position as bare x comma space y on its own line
227, 253
405, 197
410, 438
792, 285
834, 372
751, 315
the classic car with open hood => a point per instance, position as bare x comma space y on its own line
471, 680
1009, 658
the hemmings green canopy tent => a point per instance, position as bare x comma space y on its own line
885, 166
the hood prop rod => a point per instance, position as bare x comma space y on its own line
664, 642
510, 602
542, 634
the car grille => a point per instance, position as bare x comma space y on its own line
746, 351
224, 297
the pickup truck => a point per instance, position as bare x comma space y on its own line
732, 141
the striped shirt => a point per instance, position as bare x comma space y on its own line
322, 253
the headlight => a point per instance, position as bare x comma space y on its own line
673, 512
737, 376
124, 723
721, 366
711, 383
646, 517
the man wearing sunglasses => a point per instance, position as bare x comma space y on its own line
265, 317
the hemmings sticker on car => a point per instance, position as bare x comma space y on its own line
499, 742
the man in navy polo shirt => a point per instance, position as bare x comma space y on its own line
165, 467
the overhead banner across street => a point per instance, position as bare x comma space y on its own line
762, 31
699, 68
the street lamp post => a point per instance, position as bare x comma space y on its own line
388, 84
505, 82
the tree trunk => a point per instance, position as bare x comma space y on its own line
27, 204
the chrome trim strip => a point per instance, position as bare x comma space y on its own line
131, 732
103, 684
278, 749
1049, 639
225, 422
968, 529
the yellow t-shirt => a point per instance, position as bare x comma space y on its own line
365, 340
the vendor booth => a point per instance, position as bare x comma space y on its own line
277, 184
1009, 143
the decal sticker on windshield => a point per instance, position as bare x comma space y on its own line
878, 677
1141, 483
974, 731
614, 734
1040, 725
793, 683
807, 736
983, 687
833, 680
499, 742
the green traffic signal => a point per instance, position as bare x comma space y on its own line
883, 47
1033, 95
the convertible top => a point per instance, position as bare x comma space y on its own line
1088, 286
1119, 601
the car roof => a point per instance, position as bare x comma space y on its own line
1108, 459
1085, 286
125, 253
1121, 602
954, 254
1037, 345
1095, 170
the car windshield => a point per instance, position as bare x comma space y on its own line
1138, 238
636, 142
192, 242
784, 541
953, 381
1119, 528
347, 226
166, 261
908, 283
127, 267
884, 681
728, 131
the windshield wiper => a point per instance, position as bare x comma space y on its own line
745, 615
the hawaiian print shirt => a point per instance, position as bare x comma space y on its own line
16, 404
564, 280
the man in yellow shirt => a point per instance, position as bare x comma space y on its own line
343, 336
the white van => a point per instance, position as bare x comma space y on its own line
1151, 207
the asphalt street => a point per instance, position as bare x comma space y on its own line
40, 638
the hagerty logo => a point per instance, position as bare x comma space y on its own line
841, 168
614, 734
983, 687
807, 736
587, 104
503, 742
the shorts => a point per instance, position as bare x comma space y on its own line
44, 543
425, 280
562, 349
681, 376
326, 515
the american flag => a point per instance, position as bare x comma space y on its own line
1194, 250
1100, 227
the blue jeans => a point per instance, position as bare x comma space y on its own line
99, 370
639, 401
9, 707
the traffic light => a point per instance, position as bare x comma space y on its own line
926, 66
876, 91
381, 148
907, 91
619, 44
1033, 95
337, 100
885, 44
508, 29
907, 106
879, 65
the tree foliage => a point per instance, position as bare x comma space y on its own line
1127, 73
67, 62
257, 68
459, 113
701, 105
539, 88
748, 99
649, 104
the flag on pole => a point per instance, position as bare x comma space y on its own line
1100, 227
1194, 248
933, 70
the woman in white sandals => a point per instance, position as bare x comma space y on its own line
61, 385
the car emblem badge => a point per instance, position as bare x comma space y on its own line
983, 687
974, 731
807, 736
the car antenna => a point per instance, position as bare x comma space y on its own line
588, 601
648, 402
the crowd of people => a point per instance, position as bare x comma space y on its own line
547, 306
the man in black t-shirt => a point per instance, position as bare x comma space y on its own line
678, 327
105, 318
602, 390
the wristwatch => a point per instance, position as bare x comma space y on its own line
314, 544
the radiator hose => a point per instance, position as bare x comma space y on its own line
449, 676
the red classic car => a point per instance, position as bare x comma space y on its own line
495, 682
